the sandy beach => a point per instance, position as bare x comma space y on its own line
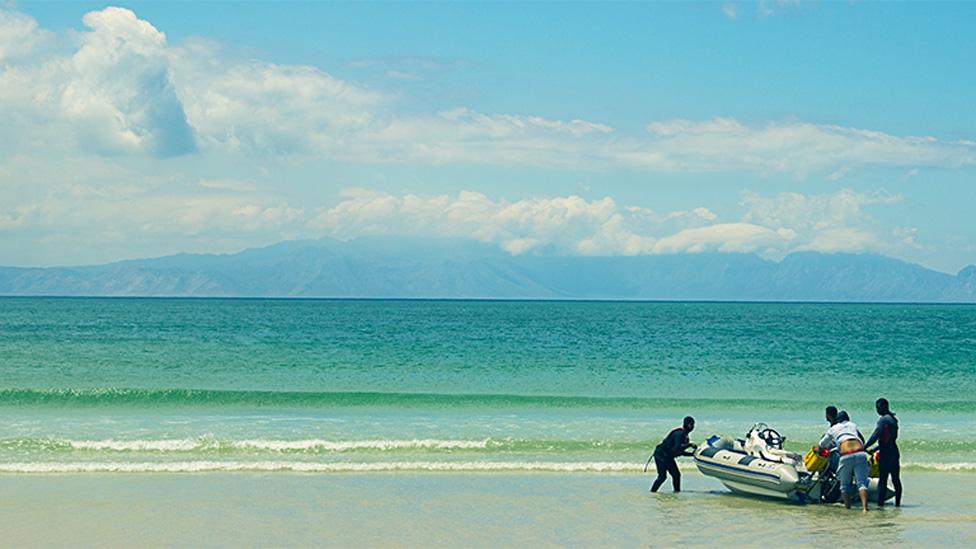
415, 510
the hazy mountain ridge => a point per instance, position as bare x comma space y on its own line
404, 267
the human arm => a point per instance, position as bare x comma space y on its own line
826, 441
875, 435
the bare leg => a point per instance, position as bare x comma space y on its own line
864, 500
847, 499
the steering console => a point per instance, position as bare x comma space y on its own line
772, 438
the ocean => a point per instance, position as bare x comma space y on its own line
455, 392
363, 385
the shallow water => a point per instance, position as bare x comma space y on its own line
471, 510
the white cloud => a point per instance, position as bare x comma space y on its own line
730, 10
114, 93
826, 222
122, 89
125, 90
111, 215
19, 36
724, 237
518, 226
93, 119
573, 225
252, 106
768, 8
823, 211
841, 239
725, 144
116, 215
704, 213
465, 136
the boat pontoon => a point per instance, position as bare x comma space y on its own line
758, 465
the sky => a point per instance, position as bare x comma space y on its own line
141, 129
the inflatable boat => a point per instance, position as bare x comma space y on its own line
758, 465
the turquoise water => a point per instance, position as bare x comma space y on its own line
317, 385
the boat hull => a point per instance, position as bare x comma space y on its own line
750, 475
744, 474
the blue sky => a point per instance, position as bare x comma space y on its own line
147, 128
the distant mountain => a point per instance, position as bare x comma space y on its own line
445, 268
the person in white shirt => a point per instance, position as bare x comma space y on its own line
853, 458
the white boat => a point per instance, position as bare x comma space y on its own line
758, 465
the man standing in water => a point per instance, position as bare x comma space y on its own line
886, 435
674, 445
853, 458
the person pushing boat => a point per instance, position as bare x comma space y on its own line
674, 445
853, 460
833, 457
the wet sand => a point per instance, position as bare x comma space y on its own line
415, 510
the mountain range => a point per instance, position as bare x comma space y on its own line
379, 267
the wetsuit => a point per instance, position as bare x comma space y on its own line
673, 445
886, 435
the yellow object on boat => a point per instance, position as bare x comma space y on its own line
873, 471
814, 462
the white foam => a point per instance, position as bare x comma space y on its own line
316, 467
346, 445
963, 466
191, 444
170, 445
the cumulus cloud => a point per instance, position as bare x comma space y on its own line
19, 36
113, 93
516, 226
573, 225
821, 211
123, 89
106, 134
825, 222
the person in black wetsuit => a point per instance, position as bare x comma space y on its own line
674, 445
886, 435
